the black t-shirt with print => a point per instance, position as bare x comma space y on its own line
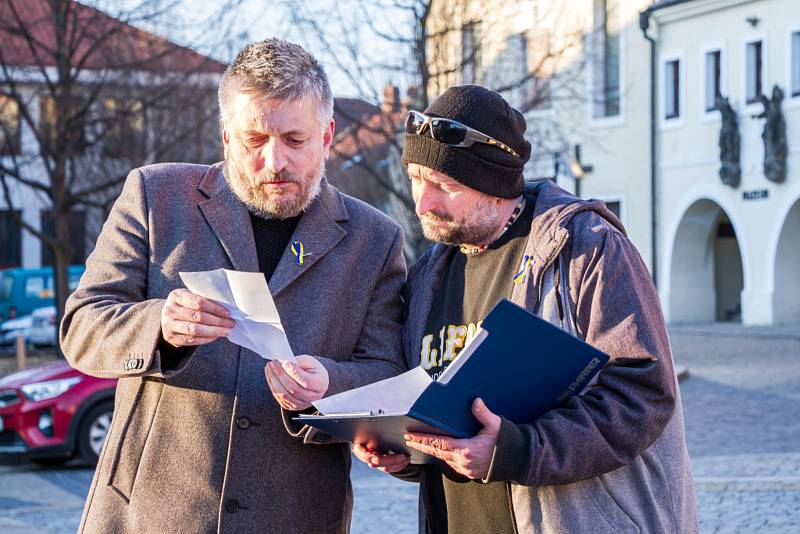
471, 287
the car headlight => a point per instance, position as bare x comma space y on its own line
48, 390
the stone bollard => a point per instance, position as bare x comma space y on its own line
20, 352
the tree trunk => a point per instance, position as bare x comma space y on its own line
62, 255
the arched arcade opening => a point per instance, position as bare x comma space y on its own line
786, 289
706, 275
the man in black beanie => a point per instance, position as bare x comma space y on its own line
612, 459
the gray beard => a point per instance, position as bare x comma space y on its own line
478, 228
274, 207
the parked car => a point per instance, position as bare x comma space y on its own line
24, 290
51, 413
38, 329
9, 330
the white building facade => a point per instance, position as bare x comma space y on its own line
727, 252
718, 253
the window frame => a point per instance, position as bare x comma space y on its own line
120, 149
621, 198
713, 83
712, 115
619, 118
7, 215
746, 42
473, 29
672, 106
792, 98
532, 86
16, 142
677, 121
79, 144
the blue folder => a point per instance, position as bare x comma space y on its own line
522, 369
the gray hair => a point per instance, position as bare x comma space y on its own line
274, 68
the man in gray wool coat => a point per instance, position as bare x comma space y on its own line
198, 443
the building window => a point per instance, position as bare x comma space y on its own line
713, 79
795, 67
471, 60
606, 61
77, 236
540, 76
74, 137
541, 99
11, 243
755, 71
672, 89
615, 207
9, 126
124, 135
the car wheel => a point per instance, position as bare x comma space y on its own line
93, 431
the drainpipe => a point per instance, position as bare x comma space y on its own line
644, 25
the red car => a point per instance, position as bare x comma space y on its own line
52, 412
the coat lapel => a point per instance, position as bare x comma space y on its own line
229, 220
318, 231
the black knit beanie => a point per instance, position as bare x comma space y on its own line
483, 167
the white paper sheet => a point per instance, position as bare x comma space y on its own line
394, 395
248, 299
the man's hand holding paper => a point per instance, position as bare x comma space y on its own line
296, 385
246, 298
295, 382
188, 319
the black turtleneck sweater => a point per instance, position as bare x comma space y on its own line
272, 237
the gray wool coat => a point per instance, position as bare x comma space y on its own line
198, 444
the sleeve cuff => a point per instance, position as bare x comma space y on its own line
336, 382
294, 428
169, 361
508, 458
309, 434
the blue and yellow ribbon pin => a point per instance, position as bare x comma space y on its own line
297, 251
520, 277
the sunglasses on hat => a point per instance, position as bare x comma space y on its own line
451, 132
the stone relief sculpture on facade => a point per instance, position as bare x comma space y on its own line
730, 172
774, 136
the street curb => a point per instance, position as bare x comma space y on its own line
682, 372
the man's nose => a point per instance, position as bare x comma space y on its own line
427, 198
274, 155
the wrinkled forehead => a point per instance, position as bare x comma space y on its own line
251, 111
415, 170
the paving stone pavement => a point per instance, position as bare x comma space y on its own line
742, 407
35, 500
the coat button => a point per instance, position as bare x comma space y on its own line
231, 506
243, 423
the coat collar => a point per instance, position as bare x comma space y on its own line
228, 219
318, 229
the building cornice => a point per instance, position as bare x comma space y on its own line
667, 13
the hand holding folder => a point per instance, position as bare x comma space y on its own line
519, 364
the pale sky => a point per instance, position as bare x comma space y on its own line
258, 19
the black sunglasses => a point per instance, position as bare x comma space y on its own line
451, 132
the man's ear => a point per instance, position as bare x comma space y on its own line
225, 135
327, 137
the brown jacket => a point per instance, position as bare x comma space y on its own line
197, 442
